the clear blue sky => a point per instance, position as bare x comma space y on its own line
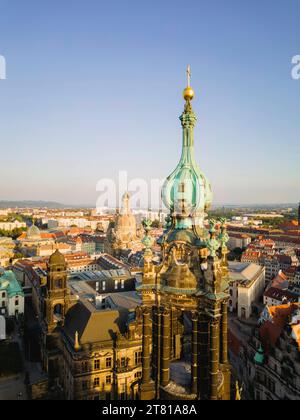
94, 87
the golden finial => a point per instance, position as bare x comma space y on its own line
188, 92
238, 392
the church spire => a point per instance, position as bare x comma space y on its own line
186, 191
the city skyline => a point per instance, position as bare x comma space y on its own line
97, 88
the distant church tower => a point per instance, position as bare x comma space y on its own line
185, 298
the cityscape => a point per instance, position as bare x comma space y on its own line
170, 276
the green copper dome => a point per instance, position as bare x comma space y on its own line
259, 356
33, 232
187, 189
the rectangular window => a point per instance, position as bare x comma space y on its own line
85, 366
103, 285
97, 364
16, 303
108, 379
122, 284
138, 357
123, 361
108, 362
3, 294
96, 382
116, 284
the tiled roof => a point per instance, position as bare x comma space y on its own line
271, 330
279, 294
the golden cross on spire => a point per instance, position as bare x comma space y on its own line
188, 72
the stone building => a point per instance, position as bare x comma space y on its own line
268, 363
88, 352
29, 242
11, 295
247, 285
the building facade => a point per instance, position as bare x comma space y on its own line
247, 284
11, 295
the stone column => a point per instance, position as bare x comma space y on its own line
194, 361
224, 328
156, 347
203, 359
146, 374
165, 351
214, 358
147, 386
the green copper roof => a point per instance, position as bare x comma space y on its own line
10, 284
187, 185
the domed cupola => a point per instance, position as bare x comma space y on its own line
187, 192
33, 232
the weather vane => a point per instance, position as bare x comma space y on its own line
188, 71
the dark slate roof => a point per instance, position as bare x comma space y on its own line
94, 325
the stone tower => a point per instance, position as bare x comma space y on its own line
185, 298
56, 300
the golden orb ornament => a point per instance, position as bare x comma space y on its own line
188, 93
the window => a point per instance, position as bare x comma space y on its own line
17, 302
108, 362
116, 284
122, 284
122, 392
108, 380
138, 375
3, 294
103, 285
58, 284
123, 361
181, 187
137, 357
85, 366
97, 364
96, 382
